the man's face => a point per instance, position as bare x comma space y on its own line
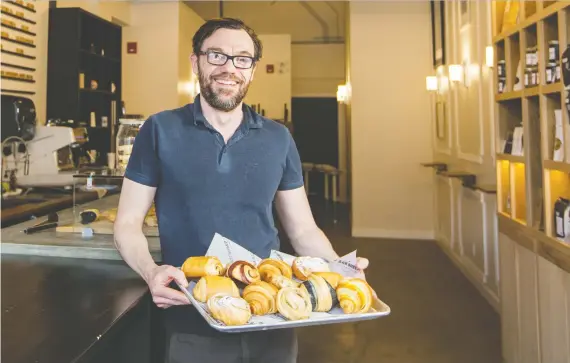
225, 86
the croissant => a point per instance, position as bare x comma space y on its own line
293, 303
261, 297
281, 281
229, 310
333, 278
199, 266
322, 294
243, 271
208, 286
304, 266
271, 266
354, 295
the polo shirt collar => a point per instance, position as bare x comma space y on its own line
251, 118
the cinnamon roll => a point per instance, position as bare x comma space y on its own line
281, 281
243, 271
354, 295
208, 286
322, 294
293, 303
261, 297
229, 310
333, 278
199, 266
304, 266
271, 266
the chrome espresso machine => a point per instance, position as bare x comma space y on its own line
36, 155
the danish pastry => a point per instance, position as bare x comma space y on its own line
281, 281
229, 310
354, 295
333, 278
304, 266
209, 286
243, 271
261, 297
199, 266
323, 296
271, 266
293, 303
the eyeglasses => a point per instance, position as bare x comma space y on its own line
219, 59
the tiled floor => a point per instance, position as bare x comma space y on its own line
437, 315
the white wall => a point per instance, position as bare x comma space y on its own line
273, 90
189, 22
318, 69
390, 120
40, 52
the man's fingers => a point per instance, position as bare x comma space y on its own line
171, 294
179, 276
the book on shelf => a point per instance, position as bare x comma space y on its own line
558, 137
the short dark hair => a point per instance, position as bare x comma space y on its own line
210, 26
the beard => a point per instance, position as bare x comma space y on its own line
222, 99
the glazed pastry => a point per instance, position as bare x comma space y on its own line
293, 303
208, 286
333, 278
281, 281
354, 295
243, 271
261, 297
199, 266
304, 266
322, 294
271, 266
229, 310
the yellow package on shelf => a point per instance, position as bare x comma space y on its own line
511, 14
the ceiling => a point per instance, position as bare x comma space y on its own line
305, 21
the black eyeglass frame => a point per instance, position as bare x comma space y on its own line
229, 57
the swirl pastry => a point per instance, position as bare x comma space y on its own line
208, 286
229, 310
354, 295
333, 278
281, 281
261, 297
199, 266
322, 294
271, 266
243, 271
293, 303
304, 266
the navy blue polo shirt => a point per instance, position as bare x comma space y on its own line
206, 186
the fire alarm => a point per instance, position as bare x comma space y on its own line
270, 68
132, 47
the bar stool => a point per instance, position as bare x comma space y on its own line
307, 168
330, 174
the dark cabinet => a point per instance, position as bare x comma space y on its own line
84, 74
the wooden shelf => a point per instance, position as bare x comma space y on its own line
10, 65
20, 6
18, 29
557, 165
17, 91
507, 96
19, 79
17, 17
511, 158
18, 54
19, 42
531, 91
551, 88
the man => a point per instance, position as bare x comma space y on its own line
215, 166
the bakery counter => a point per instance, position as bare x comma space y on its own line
73, 244
60, 310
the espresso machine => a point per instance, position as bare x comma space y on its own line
36, 155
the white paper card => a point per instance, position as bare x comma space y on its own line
229, 252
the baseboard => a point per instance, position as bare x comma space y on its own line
392, 234
490, 296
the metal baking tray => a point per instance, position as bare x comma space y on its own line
276, 321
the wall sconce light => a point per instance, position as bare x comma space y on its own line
489, 56
431, 83
455, 73
342, 94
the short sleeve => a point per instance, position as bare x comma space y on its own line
143, 166
293, 171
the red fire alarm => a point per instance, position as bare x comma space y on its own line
269, 68
132, 47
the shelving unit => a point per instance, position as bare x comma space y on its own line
529, 183
84, 75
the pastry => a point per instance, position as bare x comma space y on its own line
322, 294
271, 266
199, 266
229, 310
354, 295
304, 266
243, 271
333, 278
293, 303
208, 286
261, 297
281, 281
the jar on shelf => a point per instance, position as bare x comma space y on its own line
128, 131
553, 51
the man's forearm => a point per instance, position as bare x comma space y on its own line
314, 243
133, 247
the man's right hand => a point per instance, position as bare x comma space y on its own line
158, 280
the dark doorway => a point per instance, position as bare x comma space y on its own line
315, 125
